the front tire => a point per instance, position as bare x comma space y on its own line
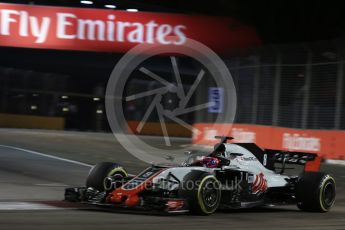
98, 174
202, 190
315, 192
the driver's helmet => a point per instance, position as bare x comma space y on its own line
210, 162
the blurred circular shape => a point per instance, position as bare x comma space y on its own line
130, 61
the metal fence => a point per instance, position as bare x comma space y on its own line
297, 86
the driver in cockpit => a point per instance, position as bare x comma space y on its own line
219, 153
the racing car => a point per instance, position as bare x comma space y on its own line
232, 176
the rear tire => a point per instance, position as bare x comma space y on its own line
315, 192
97, 175
202, 191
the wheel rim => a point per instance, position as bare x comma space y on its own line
328, 194
113, 182
210, 195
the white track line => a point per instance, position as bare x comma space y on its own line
6, 206
48, 156
335, 162
52, 157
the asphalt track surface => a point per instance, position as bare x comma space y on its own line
34, 172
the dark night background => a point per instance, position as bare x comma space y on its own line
286, 28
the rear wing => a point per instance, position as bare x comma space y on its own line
268, 157
310, 161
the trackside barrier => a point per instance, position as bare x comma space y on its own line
328, 144
31, 122
155, 129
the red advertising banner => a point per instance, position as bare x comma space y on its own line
328, 144
113, 30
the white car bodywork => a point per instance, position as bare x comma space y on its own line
249, 163
246, 162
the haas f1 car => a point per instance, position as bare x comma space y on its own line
233, 176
